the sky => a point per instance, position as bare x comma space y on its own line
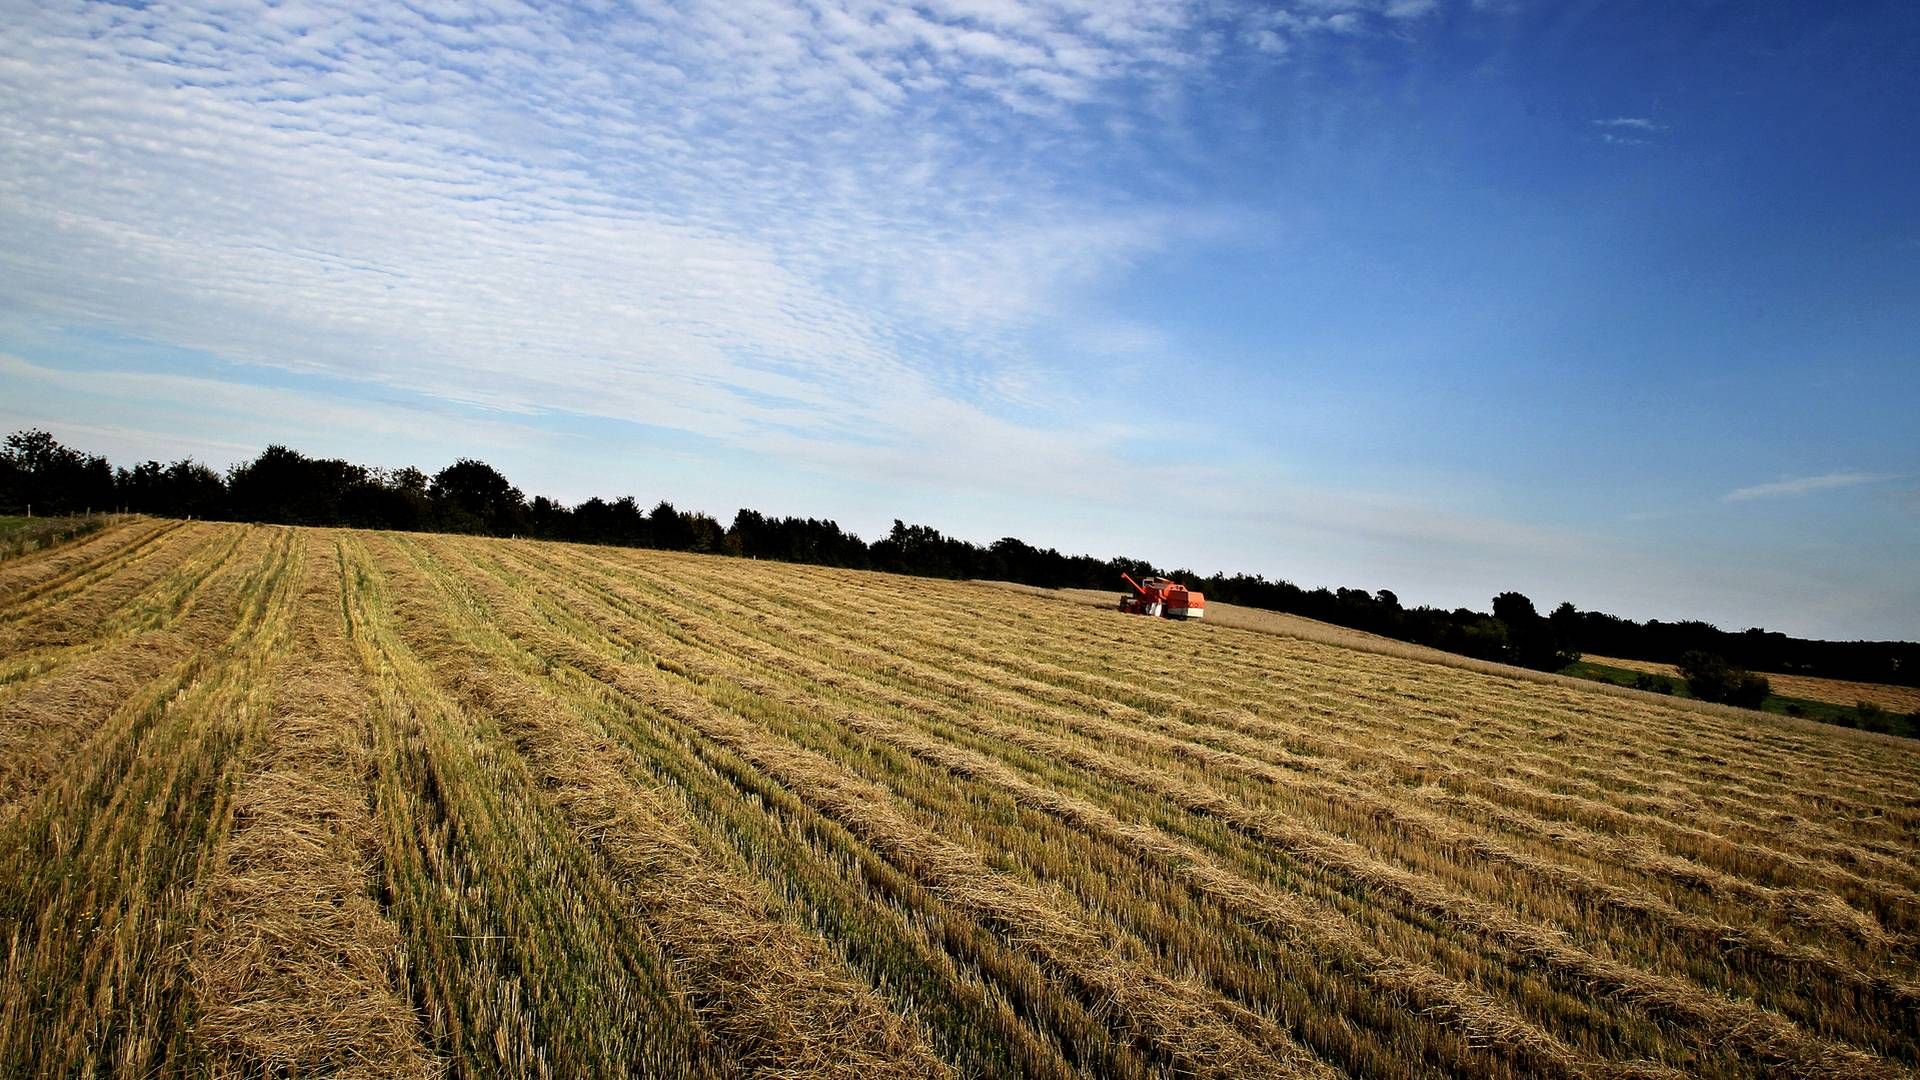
1616, 303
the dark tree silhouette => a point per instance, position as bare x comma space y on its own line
472, 496
39, 473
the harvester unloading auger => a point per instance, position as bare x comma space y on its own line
1161, 597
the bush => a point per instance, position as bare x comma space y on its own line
1749, 690
1710, 678
1658, 684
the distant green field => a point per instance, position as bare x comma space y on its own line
20, 534
1823, 711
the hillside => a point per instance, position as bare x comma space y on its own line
333, 800
1904, 699
1798, 689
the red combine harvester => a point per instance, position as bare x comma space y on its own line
1166, 599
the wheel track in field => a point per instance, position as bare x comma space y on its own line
1020, 977
70, 615
1673, 729
1732, 738
1241, 757
1132, 858
1481, 1019
580, 811
22, 574
1559, 841
686, 664
1736, 943
1188, 684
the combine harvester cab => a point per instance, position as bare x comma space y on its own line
1163, 598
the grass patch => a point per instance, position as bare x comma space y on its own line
20, 535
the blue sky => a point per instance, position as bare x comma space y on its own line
1612, 303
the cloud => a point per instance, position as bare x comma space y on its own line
1629, 130
724, 217
1411, 9
827, 235
227, 421
1276, 30
1121, 337
1804, 485
756, 220
1632, 123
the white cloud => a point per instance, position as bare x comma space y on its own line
1804, 485
735, 218
1276, 30
1411, 9
223, 421
722, 217
1629, 130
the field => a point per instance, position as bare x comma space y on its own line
279, 801
1251, 618
1825, 701
20, 535
1900, 699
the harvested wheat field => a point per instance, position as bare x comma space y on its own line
278, 801
1905, 699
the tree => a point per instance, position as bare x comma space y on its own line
1565, 621
704, 534
670, 528
1710, 678
1514, 609
283, 485
1531, 640
472, 496
37, 471
185, 488
395, 499
548, 519
190, 489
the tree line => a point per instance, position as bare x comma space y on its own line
285, 486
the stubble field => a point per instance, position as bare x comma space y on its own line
1901, 699
294, 801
